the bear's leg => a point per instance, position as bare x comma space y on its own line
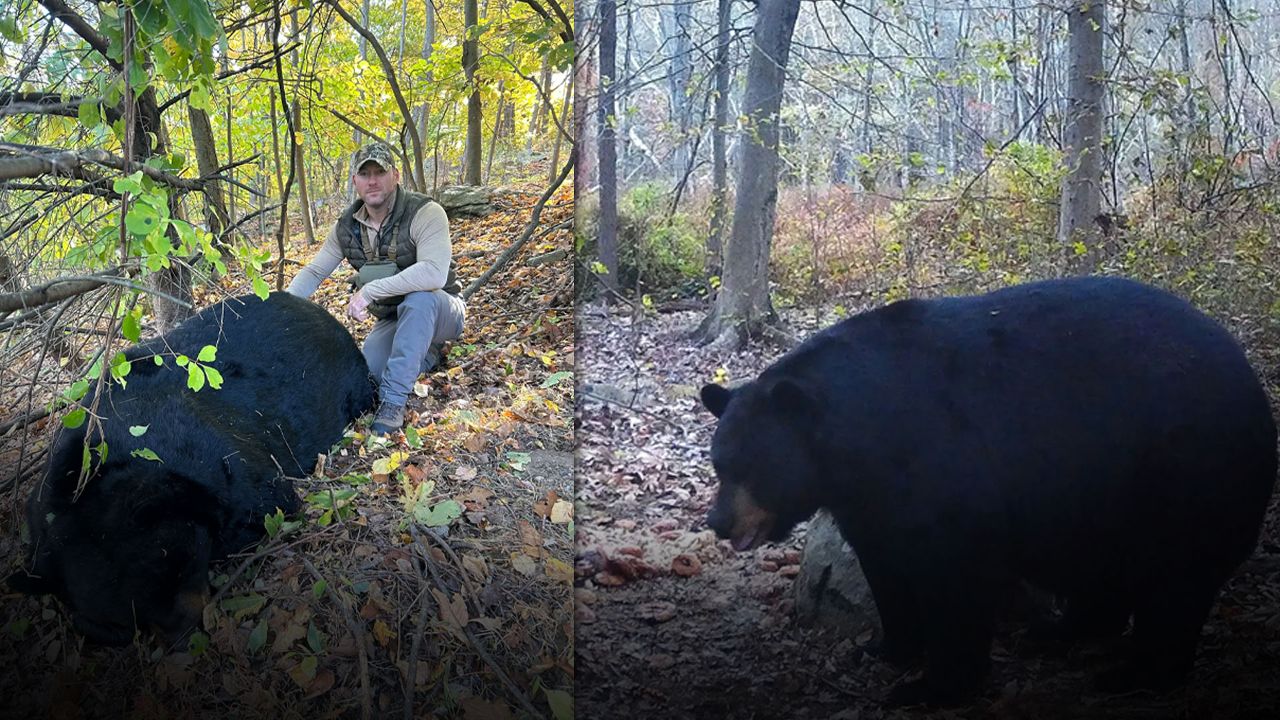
957, 607
1166, 628
901, 625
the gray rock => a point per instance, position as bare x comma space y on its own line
831, 590
465, 200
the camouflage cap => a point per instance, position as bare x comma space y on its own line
377, 152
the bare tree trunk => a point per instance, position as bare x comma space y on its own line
304, 197
677, 21
470, 59
560, 138
428, 43
215, 216
743, 305
1082, 137
608, 234
719, 161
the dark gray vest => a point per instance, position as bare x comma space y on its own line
394, 231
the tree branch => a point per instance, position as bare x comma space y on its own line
510, 252
390, 73
81, 27
62, 288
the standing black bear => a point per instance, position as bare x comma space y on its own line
133, 550
1097, 437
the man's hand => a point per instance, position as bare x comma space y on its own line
357, 307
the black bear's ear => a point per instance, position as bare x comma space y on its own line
24, 582
716, 398
792, 398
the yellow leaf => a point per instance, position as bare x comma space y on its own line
559, 570
382, 632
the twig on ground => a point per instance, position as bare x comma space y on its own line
366, 695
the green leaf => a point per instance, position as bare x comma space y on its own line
142, 219
77, 390
182, 360
120, 366
198, 643
258, 638
555, 378
131, 328
74, 419
442, 514
138, 430
88, 114
518, 460
244, 606
318, 589
561, 704
315, 640
411, 436
195, 377
208, 353
214, 377
146, 454
273, 523
261, 288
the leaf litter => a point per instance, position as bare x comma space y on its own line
403, 564
672, 624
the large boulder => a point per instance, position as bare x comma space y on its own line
465, 200
831, 590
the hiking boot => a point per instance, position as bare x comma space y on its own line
389, 419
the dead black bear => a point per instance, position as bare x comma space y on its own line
1097, 437
133, 550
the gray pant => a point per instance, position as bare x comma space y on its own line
397, 350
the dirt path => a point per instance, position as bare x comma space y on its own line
671, 624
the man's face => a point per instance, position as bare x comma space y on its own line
374, 184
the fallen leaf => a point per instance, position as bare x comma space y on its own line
559, 570
290, 628
421, 389
475, 565
465, 473
543, 506
382, 632
322, 684
524, 564
453, 612
529, 535
304, 672
474, 442
561, 512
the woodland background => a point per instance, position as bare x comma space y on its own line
764, 169
159, 156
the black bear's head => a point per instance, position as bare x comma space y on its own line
130, 554
764, 454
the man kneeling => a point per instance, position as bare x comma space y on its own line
398, 242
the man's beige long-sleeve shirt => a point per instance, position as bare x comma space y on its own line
430, 232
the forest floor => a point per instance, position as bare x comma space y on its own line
673, 624
335, 615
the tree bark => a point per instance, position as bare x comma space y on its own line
607, 246
215, 216
1082, 137
719, 161
475, 118
743, 305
